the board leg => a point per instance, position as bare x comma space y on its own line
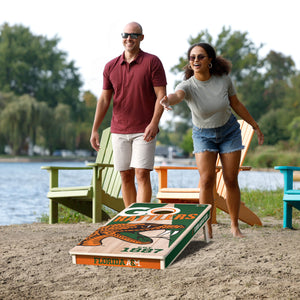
205, 232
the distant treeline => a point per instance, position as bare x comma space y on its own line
42, 103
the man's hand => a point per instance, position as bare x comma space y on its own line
94, 140
150, 133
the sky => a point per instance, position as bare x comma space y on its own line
90, 30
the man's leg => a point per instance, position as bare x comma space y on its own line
144, 185
128, 187
122, 149
143, 162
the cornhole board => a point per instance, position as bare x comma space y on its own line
143, 235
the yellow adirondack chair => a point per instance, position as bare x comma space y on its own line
191, 195
88, 200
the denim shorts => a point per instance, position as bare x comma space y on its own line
224, 139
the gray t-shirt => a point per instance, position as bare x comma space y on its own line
208, 100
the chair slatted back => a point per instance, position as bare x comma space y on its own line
247, 134
111, 179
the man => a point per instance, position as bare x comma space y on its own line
137, 82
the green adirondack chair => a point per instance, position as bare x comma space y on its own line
89, 200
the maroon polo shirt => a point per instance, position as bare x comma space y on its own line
134, 96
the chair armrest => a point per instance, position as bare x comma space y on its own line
163, 173
175, 168
100, 165
245, 168
50, 168
287, 168
54, 171
287, 172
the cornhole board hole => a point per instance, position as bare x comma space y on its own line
143, 235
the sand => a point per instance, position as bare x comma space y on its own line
35, 264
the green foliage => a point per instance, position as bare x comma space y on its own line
270, 156
163, 137
19, 121
41, 101
278, 66
250, 91
294, 129
274, 125
34, 65
264, 203
291, 101
187, 142
67, 215
40, 95
236, 47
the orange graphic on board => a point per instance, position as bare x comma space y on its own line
129, 232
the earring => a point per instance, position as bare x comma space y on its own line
209, 65
189, 67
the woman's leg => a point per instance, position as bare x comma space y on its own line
206, 163
230, 164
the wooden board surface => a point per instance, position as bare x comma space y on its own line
144, 235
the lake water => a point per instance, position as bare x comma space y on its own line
24, 186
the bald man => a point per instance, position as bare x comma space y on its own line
136, 81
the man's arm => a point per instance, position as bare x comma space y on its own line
101, 110
152, 129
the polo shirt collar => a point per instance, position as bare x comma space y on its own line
136, 60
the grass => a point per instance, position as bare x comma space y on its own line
263, 203
66, 215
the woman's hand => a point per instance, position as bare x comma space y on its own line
260, 136
165, 103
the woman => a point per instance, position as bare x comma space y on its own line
210, 95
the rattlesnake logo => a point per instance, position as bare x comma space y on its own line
127, 232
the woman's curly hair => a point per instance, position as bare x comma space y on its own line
220, 65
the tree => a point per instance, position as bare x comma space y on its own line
187, 142
279, 69
274, 126
34, 65
250, 92
278, 66
63, 130
241, 51
294, 128
291, 100
19, 121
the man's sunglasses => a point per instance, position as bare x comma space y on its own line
199, 57
132, 35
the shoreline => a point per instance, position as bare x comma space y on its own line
20, 159
177, 161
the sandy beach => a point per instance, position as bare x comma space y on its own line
35, 264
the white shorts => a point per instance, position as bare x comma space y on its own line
132, 151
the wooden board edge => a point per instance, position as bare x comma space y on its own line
128, 262
185, 241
